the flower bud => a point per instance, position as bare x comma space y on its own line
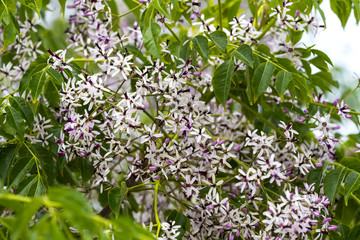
232, 195
326, 220
61, 154
333, 227
237, 148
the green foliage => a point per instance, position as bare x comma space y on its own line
32, 4
244, 53
151, 34
282, 80
222, 80
261, 80
65, 208
202, 47
342, 8
10, 31
352, 183
15, 120
116, 197
332, 182
220, 39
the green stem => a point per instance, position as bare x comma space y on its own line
241, 163
266, 29
172, 32
220, 15
85, 60
331, 107
155, 209
130, 11
347, 95
140, 185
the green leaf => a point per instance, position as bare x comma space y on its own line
317, 7
19, 171
70, 199
282, 80
35, 66
131, 4
220, 39
314, 177
127, 229
355, 233
322, 55
320, 63
51, 94
20, 105
160, 6
23, 217
261, 78
137, 53
352, 183
324, 80
265, 50
38, 188
32, 4
55, 76
286, 64
244, 53
342, 8
10, 5
151, 35
180, 219
332, 182
295, 35
116, 197
10, 32
185, 51
222, 80
352, 163
6, 157
249, 90
47, 163
175, 48
356, 10
36, 84
86, 169
201, 46
25, 185
15, 120
147, 17
301, 88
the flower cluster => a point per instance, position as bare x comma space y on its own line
152, 121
